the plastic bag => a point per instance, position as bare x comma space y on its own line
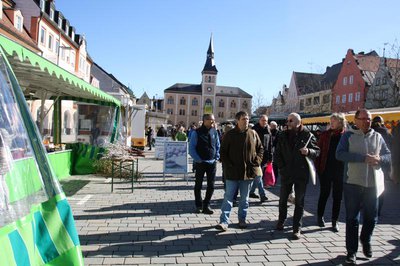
269, 176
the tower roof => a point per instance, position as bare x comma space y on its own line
209, 66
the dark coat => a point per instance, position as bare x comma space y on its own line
241, 154
291, 163
266, 140
162, 132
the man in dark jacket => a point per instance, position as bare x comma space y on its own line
162, 132
204, 148
264, 133
241, 155
293, 147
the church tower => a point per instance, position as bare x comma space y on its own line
209, 80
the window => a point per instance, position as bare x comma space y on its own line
350, 97
57, 47
308, 101
209, 78
384, 81
59, 22
73, 58
195, 102
182, 101
344, 98
244, 105
220, 114
351, 79
345, 81
326, 99
221, 103
233, 104
51, 14
50, 45
378, 81
169, 111
337, 99
18, 23
42, 36
181, 111
170, 100
316, 100
42, 3
208, 102
194, 112
357, 97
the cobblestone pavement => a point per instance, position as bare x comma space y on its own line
156, 225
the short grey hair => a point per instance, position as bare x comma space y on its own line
339, 117
296, 115
273, 123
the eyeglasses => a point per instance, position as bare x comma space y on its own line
364, 118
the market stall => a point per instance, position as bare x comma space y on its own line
66, 109
36, 222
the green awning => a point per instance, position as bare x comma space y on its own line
37, 74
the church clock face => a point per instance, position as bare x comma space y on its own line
209, 89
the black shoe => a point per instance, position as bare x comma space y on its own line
280, 226
367, 250
242, 224
234, 203
321, 221
198, 210
296, 235
208, 210
335, 226
253, 195
263, 199
350, 259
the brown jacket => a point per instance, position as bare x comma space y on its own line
241, 154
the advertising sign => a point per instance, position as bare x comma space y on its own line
175, 157
159, 146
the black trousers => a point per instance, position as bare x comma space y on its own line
328, 183
300, 191
210, 171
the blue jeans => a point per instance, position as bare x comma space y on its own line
258, 183
230, 190
357, 198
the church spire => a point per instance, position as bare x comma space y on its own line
210, 64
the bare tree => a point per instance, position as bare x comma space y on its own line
258, 101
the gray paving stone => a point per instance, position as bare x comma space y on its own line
155, 225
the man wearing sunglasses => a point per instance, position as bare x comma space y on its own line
292, 147
364, 152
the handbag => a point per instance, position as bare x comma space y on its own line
269, 176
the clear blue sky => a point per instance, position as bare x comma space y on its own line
153, 44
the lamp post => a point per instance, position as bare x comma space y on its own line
156, 102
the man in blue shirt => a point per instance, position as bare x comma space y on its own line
204, 148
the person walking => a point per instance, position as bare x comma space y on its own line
330, 170
264, 134
292, 148
180, 134
241, 155
162, 132
204, 148
150, 133
363, 152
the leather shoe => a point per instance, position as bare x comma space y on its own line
335, 226
296, 235
279, 226
253, 196
321, 221
197, 210
263, 199
208, 210
242, 224
350, 259
221, 227
367, 250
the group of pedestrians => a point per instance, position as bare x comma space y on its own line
349, 160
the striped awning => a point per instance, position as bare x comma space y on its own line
38, 75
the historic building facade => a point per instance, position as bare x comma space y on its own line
186, 103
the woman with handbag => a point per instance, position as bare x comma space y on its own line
330, 170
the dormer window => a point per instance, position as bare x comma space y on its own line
51, 14
66, 29
42, 4
18, 23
